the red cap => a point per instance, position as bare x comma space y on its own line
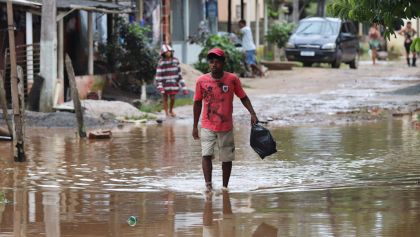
217, 51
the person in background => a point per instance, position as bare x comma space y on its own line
408, 32
374, 41
215, 92
249, 48
168, 79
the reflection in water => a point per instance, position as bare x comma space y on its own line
324, 181
225, 225
265, 230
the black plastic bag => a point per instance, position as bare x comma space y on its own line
261, 141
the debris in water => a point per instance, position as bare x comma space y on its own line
132, 221
100, 134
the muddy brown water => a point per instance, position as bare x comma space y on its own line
356, 180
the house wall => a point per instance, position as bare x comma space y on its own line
186, 18
20, 32
249, 10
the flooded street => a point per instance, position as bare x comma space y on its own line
354, 180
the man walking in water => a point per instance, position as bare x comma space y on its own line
217, 90
408, 32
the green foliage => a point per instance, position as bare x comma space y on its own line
138, 57
234, 57
272, 13
152, 107
129, 53
388, 13
183, 101
279, 34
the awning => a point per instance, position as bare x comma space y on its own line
87, 5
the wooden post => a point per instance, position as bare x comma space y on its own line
18, 143
75, 97
3, 103
90, 42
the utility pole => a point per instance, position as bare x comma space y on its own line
229, 26
18, 142
48, 68
242, 10
296, 11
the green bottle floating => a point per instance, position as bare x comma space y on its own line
132, 221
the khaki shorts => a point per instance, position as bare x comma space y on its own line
225, 144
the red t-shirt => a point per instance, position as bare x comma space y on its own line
217, 97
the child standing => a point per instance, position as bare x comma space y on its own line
169, 79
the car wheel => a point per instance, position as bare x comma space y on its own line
355, 63
337, 61
307, 64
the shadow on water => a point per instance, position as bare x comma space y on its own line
358, 180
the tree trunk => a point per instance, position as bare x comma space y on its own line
320, 11
295, 11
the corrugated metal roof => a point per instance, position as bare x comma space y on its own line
76, 4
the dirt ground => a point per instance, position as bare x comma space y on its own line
321, 95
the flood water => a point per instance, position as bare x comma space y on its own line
355, 180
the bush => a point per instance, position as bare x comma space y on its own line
279, 34
234, 57
130, 55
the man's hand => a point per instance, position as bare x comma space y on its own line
195, 133
186, 92
254, 119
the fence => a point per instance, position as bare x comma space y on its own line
27, 57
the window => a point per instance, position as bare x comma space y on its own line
317, 28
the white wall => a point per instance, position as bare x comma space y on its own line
185, 52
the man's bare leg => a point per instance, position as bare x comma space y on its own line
256, 69
227, 169
207, 166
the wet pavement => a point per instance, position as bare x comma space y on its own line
354, 180
325, 96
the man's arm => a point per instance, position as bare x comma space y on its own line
197, 111
401, 32
247, 103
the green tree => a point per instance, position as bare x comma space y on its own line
129, 54
279, 34
388, 13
